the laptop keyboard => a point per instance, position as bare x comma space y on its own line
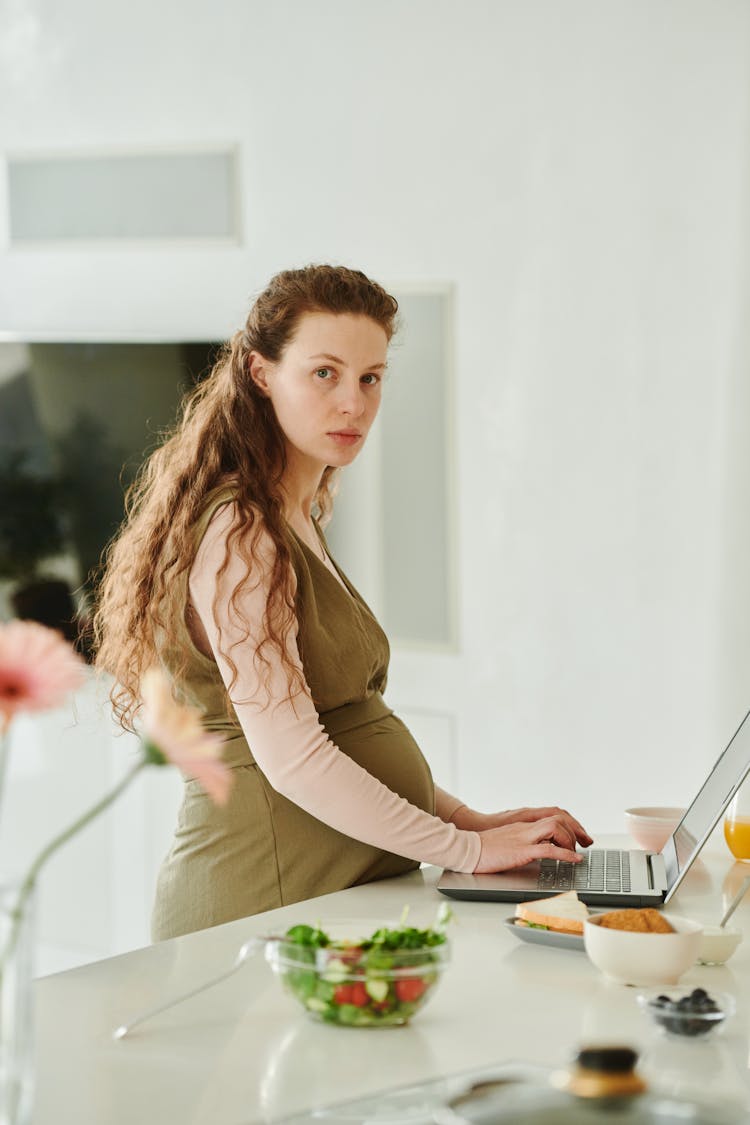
599, 870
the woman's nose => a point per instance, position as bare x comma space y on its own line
351, 401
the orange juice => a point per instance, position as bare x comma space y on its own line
737, 836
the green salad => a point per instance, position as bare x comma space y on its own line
376, 981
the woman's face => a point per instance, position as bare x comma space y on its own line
326, 387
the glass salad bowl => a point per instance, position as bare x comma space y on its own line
379, 981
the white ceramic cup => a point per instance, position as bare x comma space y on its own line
717, 945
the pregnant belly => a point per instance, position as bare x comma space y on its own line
386, 749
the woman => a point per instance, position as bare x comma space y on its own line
222, 573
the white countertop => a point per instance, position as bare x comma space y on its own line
245, 1051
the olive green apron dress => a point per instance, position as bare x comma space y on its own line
261, 851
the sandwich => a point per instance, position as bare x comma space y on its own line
564, 913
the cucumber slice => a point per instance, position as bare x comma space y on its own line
336, 971
376, 989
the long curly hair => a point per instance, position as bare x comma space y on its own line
226, 429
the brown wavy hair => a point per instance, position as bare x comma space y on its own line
226, 430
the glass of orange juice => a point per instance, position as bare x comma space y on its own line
737, 825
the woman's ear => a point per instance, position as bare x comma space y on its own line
258, 368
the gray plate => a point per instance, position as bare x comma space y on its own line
545, 937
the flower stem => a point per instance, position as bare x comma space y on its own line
29, 881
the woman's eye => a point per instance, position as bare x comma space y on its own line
324, 373
371, 380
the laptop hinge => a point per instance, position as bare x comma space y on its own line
657, 872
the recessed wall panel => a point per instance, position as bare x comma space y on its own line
145, 196
417, 468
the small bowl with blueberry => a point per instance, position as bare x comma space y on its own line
692, 1013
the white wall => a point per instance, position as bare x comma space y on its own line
578, 171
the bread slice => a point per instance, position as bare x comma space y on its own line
564, 913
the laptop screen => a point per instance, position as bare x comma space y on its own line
703, 815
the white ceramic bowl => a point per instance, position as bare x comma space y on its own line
643, 959
717, 945
651, 826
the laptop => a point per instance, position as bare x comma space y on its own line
610, 877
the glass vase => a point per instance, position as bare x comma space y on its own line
737, 824
16, 1011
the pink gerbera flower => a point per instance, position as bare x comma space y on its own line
176, 731
38, 669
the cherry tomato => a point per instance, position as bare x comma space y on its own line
354, 993
359, 995
410, 989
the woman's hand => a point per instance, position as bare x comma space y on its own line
513, 845
467, 818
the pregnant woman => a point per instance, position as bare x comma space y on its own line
222, 574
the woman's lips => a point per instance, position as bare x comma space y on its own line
345, 437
